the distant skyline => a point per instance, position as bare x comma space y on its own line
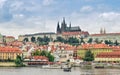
19, 17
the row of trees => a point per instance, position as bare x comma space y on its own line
44, 53
108, 42
46, 40
70, 40
41, 41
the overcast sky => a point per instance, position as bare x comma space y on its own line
18, 17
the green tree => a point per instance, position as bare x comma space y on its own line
97, 40
44, 53
73, 41
90, 40
25, 40
33, 39
82, 40
50, 57
110, 42
116, 43
106, 42
39, 39
36, 53
18, 61
60, 39
46, 39
88, 56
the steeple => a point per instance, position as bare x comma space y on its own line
101, 31
58, 28
63, 20
63, 25
104, 31
70, 26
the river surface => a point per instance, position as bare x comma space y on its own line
39, 71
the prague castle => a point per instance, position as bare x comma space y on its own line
63, 31
65, 28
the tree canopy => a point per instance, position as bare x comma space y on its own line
33, 39
44, 53
88, 56
18, 61
25, 40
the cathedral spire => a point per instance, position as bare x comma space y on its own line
63, 25
104, 31
101, 31
58, 28
63, 19
70, 25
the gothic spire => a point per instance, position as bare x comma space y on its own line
58, 28
101, 31
104, 31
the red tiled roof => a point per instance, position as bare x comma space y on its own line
88, 46
10, 37
10, 49
115, 48
109, 55
15, 44
75, 33
40, 57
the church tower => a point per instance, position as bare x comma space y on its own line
104, 32
63, 25
58, 29
70, 26
101, 31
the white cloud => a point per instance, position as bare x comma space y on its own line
47, 2
86, 9
92, 22
110, 15
2, 3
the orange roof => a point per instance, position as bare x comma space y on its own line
109, 54
89, 46
15, 43
116, 48
10, 37
75, 33
40, 57
10, 49
70, 48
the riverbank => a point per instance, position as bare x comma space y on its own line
12, 64
7, 64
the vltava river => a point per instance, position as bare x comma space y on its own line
39, 71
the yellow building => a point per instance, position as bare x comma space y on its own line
95, 49
108, 57
9, 53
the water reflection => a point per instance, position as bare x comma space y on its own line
39, 71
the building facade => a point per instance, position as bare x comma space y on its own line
8, 53
94, 48
108, 57
65, 28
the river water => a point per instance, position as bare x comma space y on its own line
39, 71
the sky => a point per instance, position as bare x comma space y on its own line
19, 17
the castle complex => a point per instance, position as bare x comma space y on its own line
65, 28
62, 31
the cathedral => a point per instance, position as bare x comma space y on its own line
65, 28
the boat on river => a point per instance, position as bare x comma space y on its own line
67, 69
51, 66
